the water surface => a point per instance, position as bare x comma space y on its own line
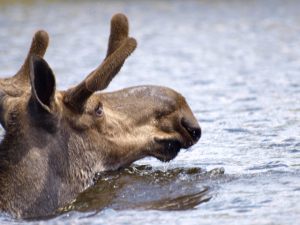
238, 65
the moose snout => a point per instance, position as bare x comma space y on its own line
192, 128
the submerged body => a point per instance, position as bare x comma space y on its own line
56, 141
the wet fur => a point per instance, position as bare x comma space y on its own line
56, 141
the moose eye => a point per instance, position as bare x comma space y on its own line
99, 110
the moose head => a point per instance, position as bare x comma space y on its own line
55, 141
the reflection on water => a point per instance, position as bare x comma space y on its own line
142, 187
236, 62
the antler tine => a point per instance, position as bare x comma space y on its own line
118, 32
119, 48
38, 47
102, 76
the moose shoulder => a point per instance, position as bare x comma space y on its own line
55, 141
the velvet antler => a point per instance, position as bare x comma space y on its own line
19, 83
120, 46
38, 47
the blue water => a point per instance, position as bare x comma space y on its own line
236, 62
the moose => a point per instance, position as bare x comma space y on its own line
56, 141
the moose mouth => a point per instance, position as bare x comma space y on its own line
168, 150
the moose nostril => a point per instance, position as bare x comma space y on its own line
194, 131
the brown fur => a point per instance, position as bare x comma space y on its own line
55, 141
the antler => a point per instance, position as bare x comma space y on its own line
16, 85
38, 47
119, 48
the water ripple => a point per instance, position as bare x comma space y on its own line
270, 165
236, 63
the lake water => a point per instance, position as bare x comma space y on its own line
236, 62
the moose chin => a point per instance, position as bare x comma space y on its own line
56, 141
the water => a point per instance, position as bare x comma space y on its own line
236, 62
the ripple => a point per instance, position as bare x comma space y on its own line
247, 99
236, 130
237, 65
294, 151
270, 165
280, 145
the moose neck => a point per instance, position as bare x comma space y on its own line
57, 170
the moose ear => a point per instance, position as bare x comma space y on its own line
42, 82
